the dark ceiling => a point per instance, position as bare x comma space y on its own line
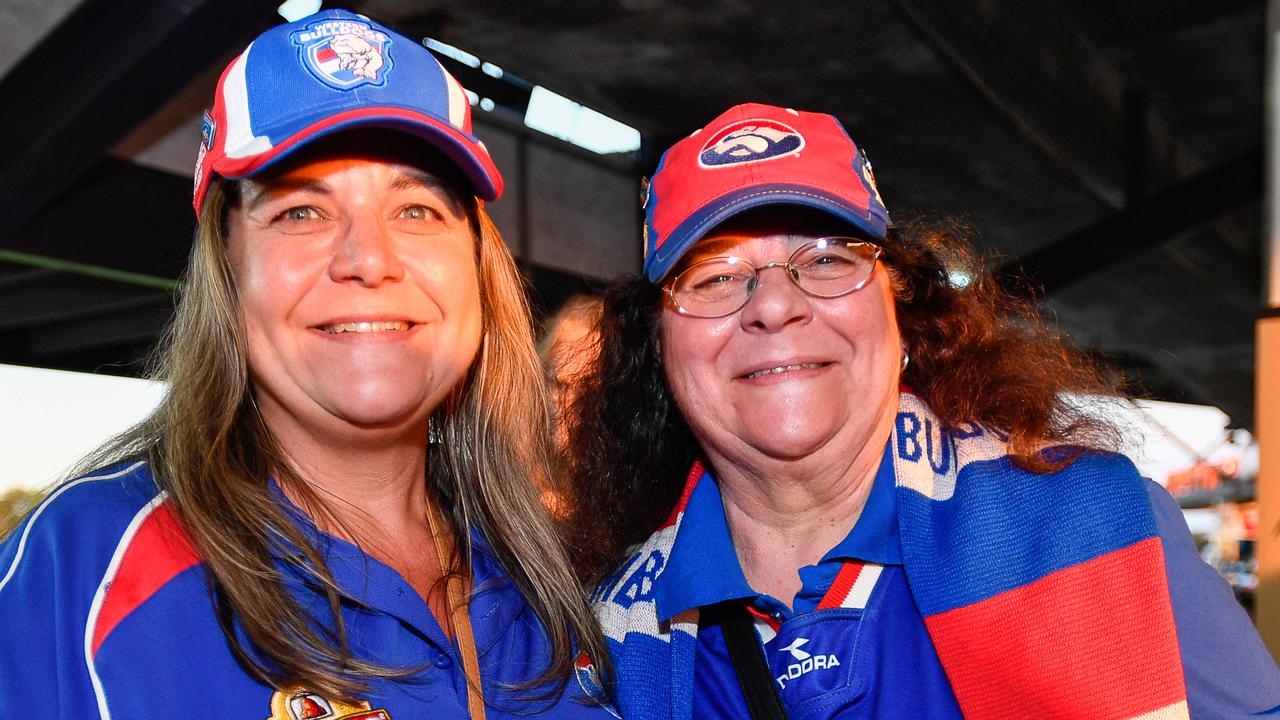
1111, 150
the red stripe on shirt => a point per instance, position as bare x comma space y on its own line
768, 619
841, 586
1095, 640
690, 482
158, 551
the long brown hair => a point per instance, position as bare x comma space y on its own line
209, 449
977, 354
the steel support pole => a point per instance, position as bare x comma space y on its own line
1267, 407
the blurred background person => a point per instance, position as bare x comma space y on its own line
568, 347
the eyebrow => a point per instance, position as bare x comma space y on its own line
404, 180
719, 247
408, 179
267, 191
713, 248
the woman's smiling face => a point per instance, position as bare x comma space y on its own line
356, 275
789, 373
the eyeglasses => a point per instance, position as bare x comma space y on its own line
826, 268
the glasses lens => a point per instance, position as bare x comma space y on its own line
713, 288
833, 266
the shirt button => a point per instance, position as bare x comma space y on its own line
443, 662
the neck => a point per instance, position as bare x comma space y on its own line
372, 491
786, 514
360, 483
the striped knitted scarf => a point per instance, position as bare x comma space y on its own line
1044, 594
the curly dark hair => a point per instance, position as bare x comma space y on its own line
978, 354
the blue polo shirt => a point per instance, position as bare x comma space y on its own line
852, 645
105, 611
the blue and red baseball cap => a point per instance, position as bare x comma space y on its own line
328, 72
754, 155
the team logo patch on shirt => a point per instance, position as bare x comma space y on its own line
748, 141
344, 54
298, 704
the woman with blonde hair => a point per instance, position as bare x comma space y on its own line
333, 513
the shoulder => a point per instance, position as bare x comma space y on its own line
90, 504
645, 648
1218, 641
631, 582
78, 527
624, 602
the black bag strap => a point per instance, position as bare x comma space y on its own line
748, 658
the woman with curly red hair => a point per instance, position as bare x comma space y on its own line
815, 477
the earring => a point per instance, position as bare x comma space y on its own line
434, 436
906, 360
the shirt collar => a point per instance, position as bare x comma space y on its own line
875, 536
703, 568
355, 572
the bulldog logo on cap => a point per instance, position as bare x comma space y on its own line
748, 141
344, 54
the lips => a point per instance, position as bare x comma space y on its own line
781, 369
366, 326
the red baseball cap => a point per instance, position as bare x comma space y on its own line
754, 155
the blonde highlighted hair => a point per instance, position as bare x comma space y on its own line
208, 447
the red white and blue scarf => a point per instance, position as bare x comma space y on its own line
1045, 594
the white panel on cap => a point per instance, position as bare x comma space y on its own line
240, 142
457, 103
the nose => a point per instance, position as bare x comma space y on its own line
366, 253
776, 302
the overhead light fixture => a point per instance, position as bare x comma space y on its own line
294, 10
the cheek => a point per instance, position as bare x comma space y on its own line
872, 318
451, 280
690, 348
269, 284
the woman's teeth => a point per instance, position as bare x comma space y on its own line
367, 327
781, 369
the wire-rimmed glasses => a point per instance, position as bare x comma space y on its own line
826, 268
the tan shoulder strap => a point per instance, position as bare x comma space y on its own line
460, 615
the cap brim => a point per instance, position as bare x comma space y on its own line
463, 151
723, 208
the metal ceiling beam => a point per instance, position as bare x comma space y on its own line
94, 78
119, 216
1048, 79
1159, 218
60, 300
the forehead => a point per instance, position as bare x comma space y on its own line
788, 224
403, 152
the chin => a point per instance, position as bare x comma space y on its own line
778, 440
792, 448
384, 407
